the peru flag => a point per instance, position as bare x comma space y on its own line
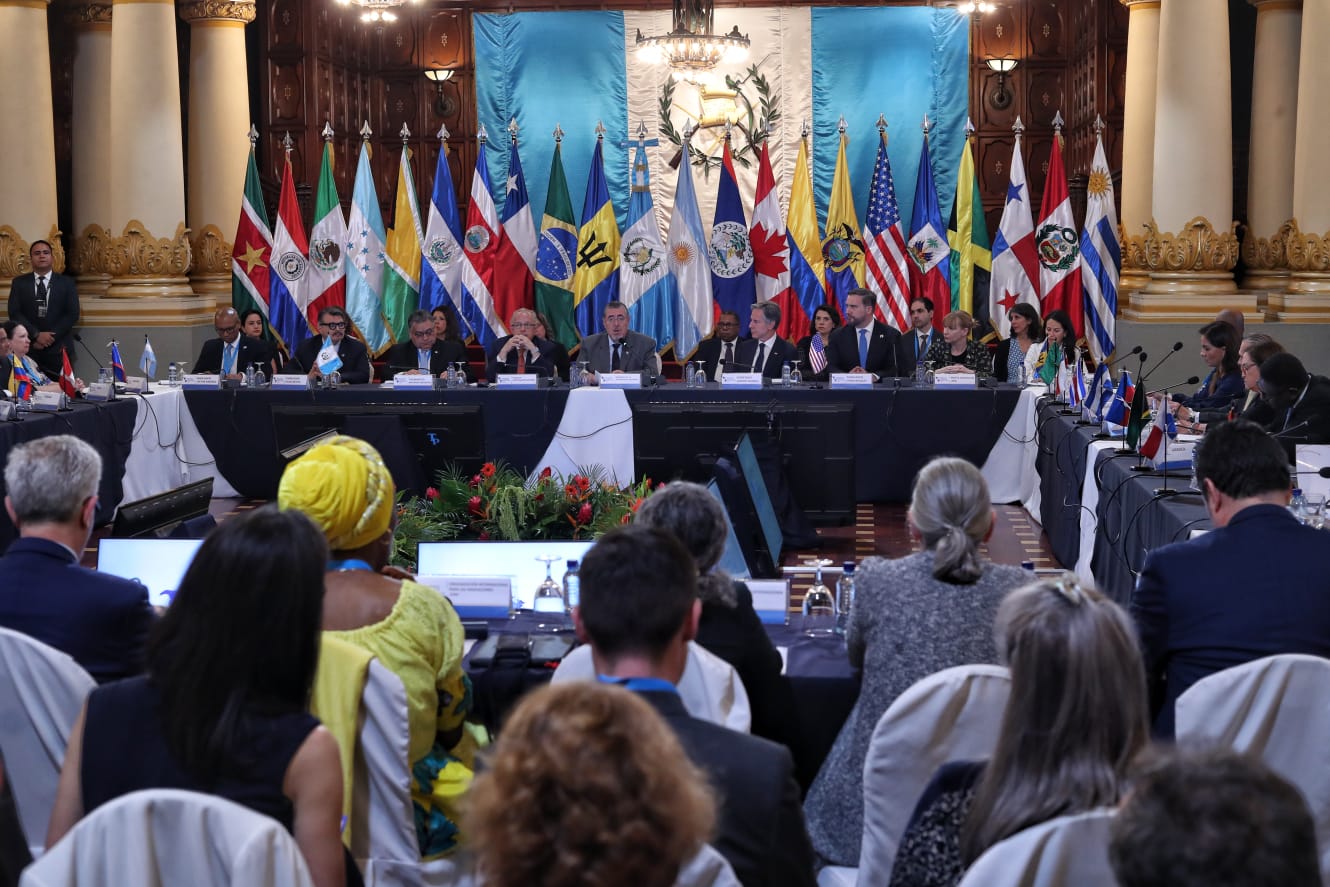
1057, 244
771, 253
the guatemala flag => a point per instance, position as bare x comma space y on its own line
729, 251
646, 285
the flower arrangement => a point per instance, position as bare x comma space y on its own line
499, 503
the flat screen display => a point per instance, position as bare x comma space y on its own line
159, 564
516, 560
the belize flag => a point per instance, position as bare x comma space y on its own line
729, 251
930, 268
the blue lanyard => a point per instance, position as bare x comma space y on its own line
641, 685
353, 563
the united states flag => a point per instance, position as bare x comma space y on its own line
817, 354
884, 242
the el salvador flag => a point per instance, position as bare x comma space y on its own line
441, 257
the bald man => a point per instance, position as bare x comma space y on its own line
1235, 319
231, 352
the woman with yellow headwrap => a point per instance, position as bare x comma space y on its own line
344, 486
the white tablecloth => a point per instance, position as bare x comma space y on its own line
596, 431
1010, 466
167, 450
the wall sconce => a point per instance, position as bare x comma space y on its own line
1001, 97
972, 8
443, 106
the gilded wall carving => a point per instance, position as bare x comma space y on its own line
1264, 253
1133, 249
14, 252
212, 252
87, 14
234, 10
1198, 247
1305, 252
89, 255
136, 253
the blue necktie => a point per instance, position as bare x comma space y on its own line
863, 348
228, 359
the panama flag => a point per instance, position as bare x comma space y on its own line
596, 278
401, 276
807, 268
480, 247
252, 252
1101, 255
1057, 244
287, 290
693, 316
1015, 267
365, 256
646, 285
515, 264
325, 278
729, 251
842, 250
888, 271
929, 251
771, 252
441, 256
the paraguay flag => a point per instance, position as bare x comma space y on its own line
515, 264
286, 285
480, 247
729, 251
771, 253
930, 268
596, 278
646, 285
807, 267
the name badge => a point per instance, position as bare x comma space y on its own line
771, 599
474, 597
741, 380
851, 380
48, 401
201, 381
519, 380
290, 382
413, 380
620, 380
136, 384
954, 381
100, 391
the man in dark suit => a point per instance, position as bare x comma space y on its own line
719, 348
426, 352
913, 345
1252, 587
333, 324
765, 352
863, 344
638, 610
48, 304
619, 349
521, 351
231, 352
6, 360
100, 621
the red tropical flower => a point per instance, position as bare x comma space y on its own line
487, 469
583, 483
431, 493
584, 513
484, 536
546, 472
475, 480
475, 505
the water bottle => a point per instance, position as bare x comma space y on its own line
796, 376
690, 374
844, 596
571, 589
249, 376
260, 377
1024, 375
1298, 505
172, 374
785, 375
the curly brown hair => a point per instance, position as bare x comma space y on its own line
587, 786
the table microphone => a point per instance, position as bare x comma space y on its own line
1177, 346
1114, 361
91, 353
1190, 380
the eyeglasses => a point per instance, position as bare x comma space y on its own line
524, 325
223, 330
1243, 367
336, 325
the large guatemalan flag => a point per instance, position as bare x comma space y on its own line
575, 69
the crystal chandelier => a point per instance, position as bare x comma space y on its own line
377, 12
693, 46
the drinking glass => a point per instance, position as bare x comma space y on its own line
1313, 513
819, 609
549, 601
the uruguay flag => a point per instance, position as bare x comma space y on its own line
480, 246
693, 316
646, 285
1101, 256
596, 278
365, 256
441, 256
730, 252
287, 292
929, 251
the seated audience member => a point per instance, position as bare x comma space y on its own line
252, 325
719, 348
1250, 405
912, 617
223, 707
587, 785
729, 626
813, 366
6, 359
231, 353
333, 326
426, 353
1299, 401
558, 353
20, 344
956, 352
765, 352
1018, 348
1252, 587
1074, 723
865, 344
412, 630
1057, 356
447, 328
639, 609
522, 351
101, 621
619, 349
1210, 817
1235, 319
919, 339
1219, 349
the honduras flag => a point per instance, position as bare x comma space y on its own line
693, 313
646, 285
365, 255
441, 256
730, 252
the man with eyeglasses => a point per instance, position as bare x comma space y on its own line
231, 352
426, 352
333, 325
522, 351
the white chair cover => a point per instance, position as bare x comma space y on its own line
166, 837
707, 869
710, 687
41, 692
953, 715
1070, 851
1276, 708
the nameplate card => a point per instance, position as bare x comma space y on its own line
519, 380
741, 381
6, 410
136, 385
954, 381
1173, 455
474, 597
413, 380
100, 391
201, 381
851, 380
48, 401
620, 380
771, 599
290, 382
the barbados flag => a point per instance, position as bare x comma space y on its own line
596, 278
730, 251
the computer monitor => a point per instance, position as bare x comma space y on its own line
156, 516
757, 488
732, 559
516, 560
159, 564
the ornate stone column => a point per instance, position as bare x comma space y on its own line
218, 147
1270, 172
27, 139
91, 132
1191, 245
1138, 141
1307, 234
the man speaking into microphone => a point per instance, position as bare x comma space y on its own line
619, 349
